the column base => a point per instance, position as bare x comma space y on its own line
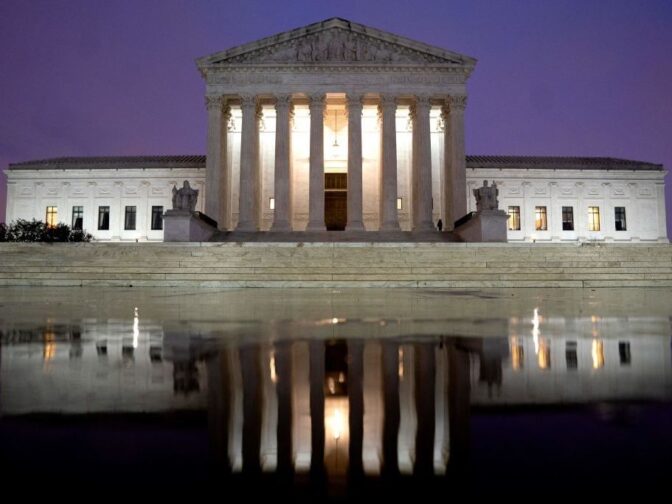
390, 226
424, 226
281, 226
246, 226
316, 226
355, 226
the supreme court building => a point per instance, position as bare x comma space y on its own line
339, 126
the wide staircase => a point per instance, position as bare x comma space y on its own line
424, 265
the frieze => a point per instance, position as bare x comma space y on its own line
280, 76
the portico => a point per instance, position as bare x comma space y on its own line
341, 102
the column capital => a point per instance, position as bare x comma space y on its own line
355, 102
388, 102
455, 103
216, 102
421, 105
317, 101
248, 102
283, 101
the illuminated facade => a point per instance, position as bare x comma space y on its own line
339, 126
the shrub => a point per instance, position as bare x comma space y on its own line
37, 231
3, 232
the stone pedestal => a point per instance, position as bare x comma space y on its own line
186, 226
484, 226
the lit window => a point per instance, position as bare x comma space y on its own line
514, 218
129, 218
52, 216
103, 218
593, 218
598, 354
157, 218
77, 217
517, 353
271, 203
544, 355
540, 221
567, 218
399, 204
620, 218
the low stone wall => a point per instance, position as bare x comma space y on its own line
423, 265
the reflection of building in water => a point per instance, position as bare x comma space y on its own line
108, 366
355, 406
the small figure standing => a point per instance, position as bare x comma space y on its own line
185, 197
439, 225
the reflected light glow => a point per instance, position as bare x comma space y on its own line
598, 354
136, 327
271, 365
401, 363
535, 330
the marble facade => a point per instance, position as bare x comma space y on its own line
337, 113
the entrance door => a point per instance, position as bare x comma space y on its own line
335, 201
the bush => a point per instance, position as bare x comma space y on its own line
3, 232
37, 231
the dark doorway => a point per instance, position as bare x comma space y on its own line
335, 201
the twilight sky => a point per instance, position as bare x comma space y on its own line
554, 77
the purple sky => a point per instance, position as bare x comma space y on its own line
565, 77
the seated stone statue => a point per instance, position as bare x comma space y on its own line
486, 197
185, 197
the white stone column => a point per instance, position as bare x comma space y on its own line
389, 219
316, 175
422, 165
248, 217
282, 218
662, 217
216, 169
355, 218
455, 168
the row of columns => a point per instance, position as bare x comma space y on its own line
221, 390
218, 172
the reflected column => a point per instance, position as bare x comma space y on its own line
459, 390
316, 349
392, 414
356, 407
219, 407
283, 366
250, 365
425, 378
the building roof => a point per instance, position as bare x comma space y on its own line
198, 161
111, 163
559, 163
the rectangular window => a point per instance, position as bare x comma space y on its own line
620, 218
540, 220
514, 218
157, 218
567, 218
400, 205
271, 203
103, 218
593, 218
571, 355
77, 217
52, 216
624, 353
129, 219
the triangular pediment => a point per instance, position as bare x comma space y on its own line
335, 41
